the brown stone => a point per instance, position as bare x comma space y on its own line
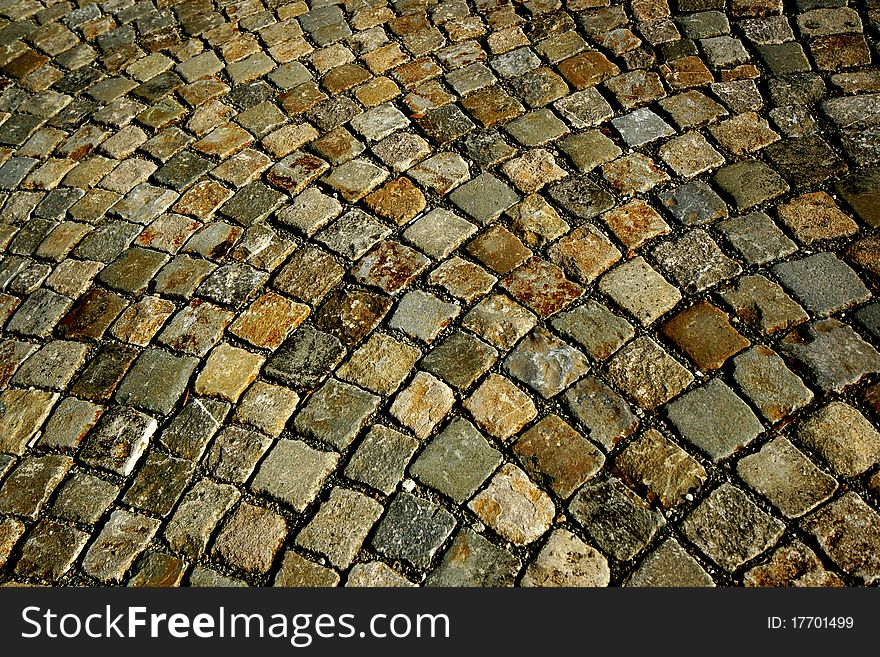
500, 408
499, 249
635, 223
584, 253
814, 217
542, 286
492, 106
704, 333
686, 72
269, 320
587, 69
398, 200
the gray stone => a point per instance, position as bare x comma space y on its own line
120, 542
823, 283
621, 523
545, 363
305, 359
471, 561
484, 198
669, 565
159, 483
775, 390
757, 238
412, 530
638, 288
336, 412
195, 519
235, 453
604, 413
785, 476
694, 203
84, 498
641, 126
460, 360
647, 374
381, 458
119, 440
139, 388
695, 261
250, 538
28, 487
457, 461
597, 330
293, 473
340, 526
842, 436
192, 427
714, 419
565, 560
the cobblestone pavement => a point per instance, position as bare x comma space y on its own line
439, 293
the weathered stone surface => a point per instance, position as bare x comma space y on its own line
843, 437
250, 538
471, 560
848, 531
513, 506
340, 526
669, 565
412, 530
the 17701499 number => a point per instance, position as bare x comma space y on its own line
810, 622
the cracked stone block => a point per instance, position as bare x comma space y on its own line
792, 565
192, 427
413, 530
340, 526
714, 419
118, 440
823, 283
566, 561
250, 538
731, 529
785, 476
120, 542
669, 565
639, 289
705, 334
514, 507
842, 436
621, 523
831, 353
335, 413
848, 531
647, 373
775, 390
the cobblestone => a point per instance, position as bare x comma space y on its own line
626, 248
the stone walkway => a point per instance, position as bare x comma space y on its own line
439, 293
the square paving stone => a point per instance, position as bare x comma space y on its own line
462, 279
584, 109
84, 498
381, 458
422, 315
103, 373
50, 550
472, 560
442, 173
484, 198
196, 328
533, 170
665, 471
647, 374
399, 200
757, 239
750, 183
690, 155
250, 538
355, 179
542, 286
581, 197
445, 124
310, 211
133, 270
457, 461
305, 358
635, 223
694, 204
29, 486
584, 253
695, 261
120, 542
52, 366
340, 526
832, 354
731, 529
843, 437
439, 232
423, 404
704, 333
535, 221
39, 313
297, 571
587, 69
762, 304
621, 523
499, 249
641, 127
401, 151
823, 283
607, 417
634, 173
70, 422
639, 289
499, 407
597, 330
775, 390
545, 363
412, 530
232, 284
196, 517
335, 413
269, 320
353, 234
182, 170
293, 473
309, 275
139, 387
390, 266
792, 565
514, 507
492, 106
460, 360
814, 217
119, 440
380, 364
785, 476
860, 191
350, 315
669, 565
10, 531
159, 483
714, 419
192, 427
557, 456
227, 372
848, 531
537, 128
565, 560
